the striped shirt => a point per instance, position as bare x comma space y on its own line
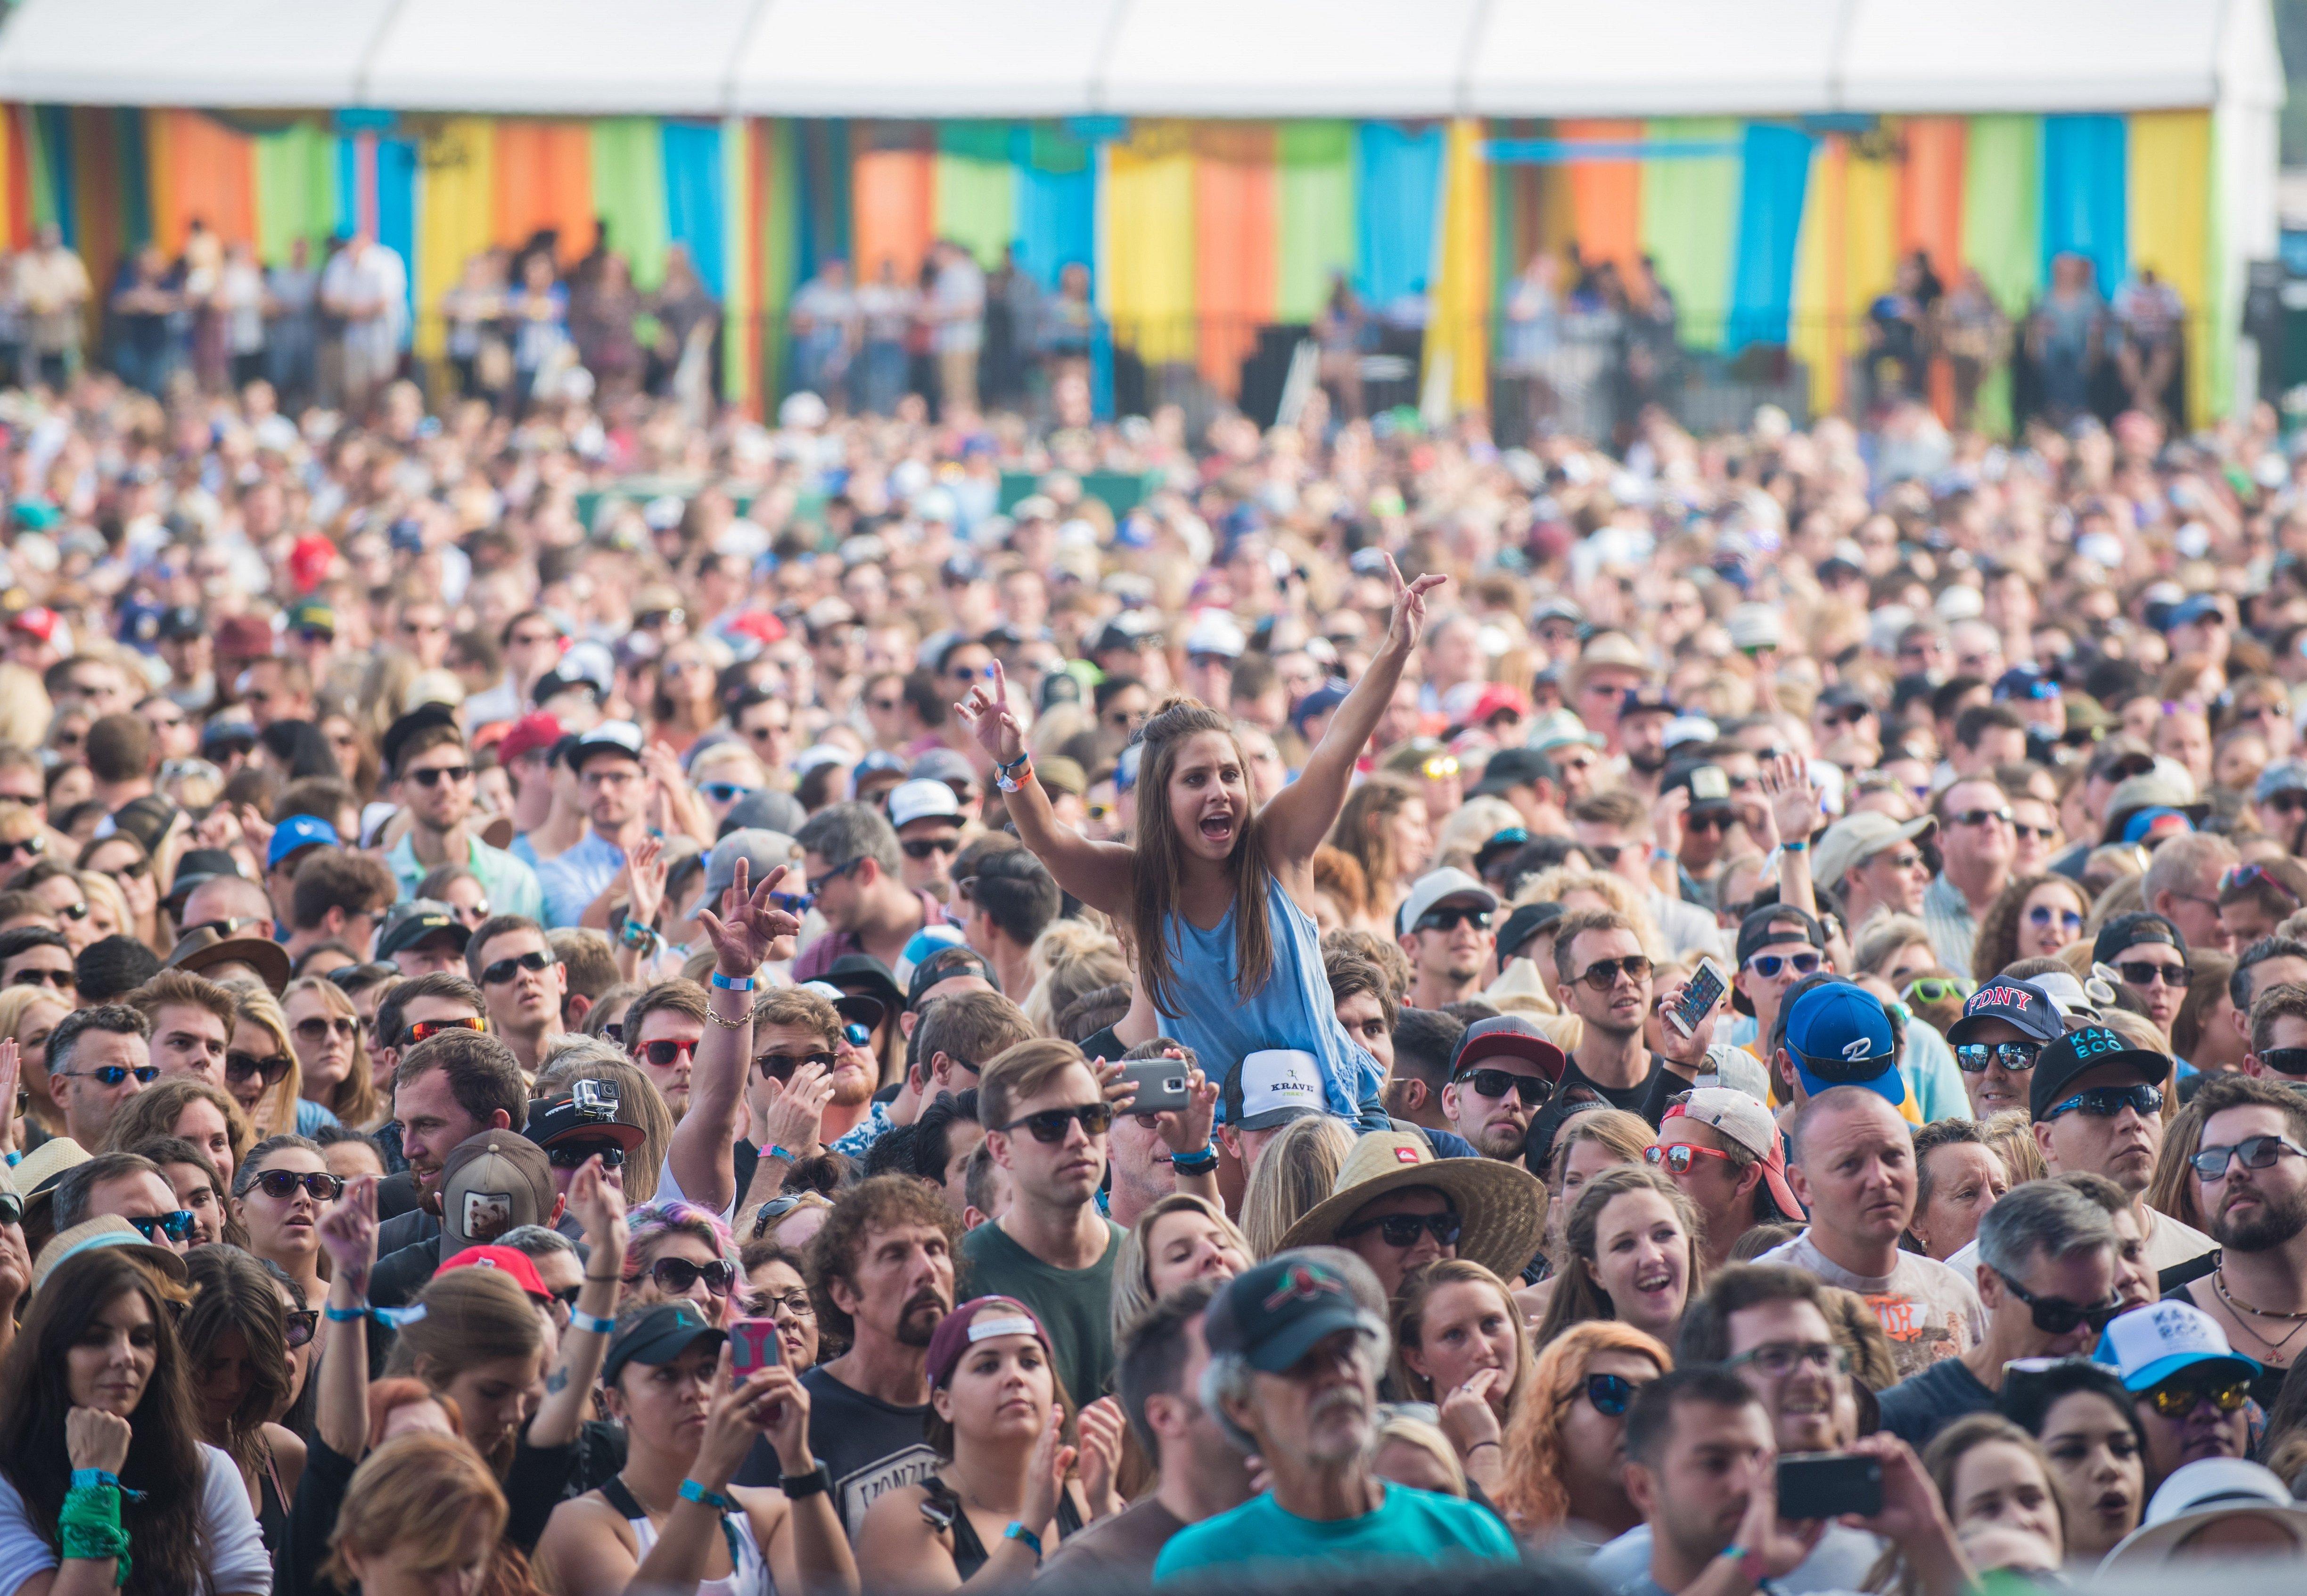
1954, 928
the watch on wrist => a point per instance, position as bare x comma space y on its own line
817, 1479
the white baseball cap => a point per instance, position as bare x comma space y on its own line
1271, 1087
1431, 888
919, 799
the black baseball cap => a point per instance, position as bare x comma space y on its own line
1524, 923
1512, 767
1648, 698
1507, 1035
1764, 927
594, 1113
1706, 782
945, 964
422, 718
1275, 1313
411, 922
2078, 1052
198, 865
657, 1337
2019, 1003
2140, 928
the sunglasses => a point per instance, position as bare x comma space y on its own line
2257, 1152
674, 1276
138, 868
2285, 1060
2042, 914
1610, 1394
62, 980
665, 1055
112, 1075
855, 1034
75, 912
2035, 833
2288, 804
780, 1066
2175, 1399
726, 792
452, 774
921, 847
34, 845
505, 969
281, 1185
1711, 820
2056, 1316
1532, 1089
1769, 965
1403, 1230
1937, 988
2255, 875
2146, 972
1602, 975
1980, 816
834, 873
1976, 1057
1443, 920
1050, 1125
2104, 1102
571, 1155
1677, 1155
421, 1030
315, 1029
239, 1067
177, 1224
297, 1325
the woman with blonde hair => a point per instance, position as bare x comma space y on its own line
424, 1514
591, 1058
1470, 825
1575, 889
1071, 976
1181, 1238
109, 914
1293, 1176
126, 860
1384, 827
332, 1069
27, 1014
1408, 1451
1563, 1451
1459, 1343
1633, 1250
260, 1068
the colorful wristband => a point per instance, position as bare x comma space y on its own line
775, 1152
744, 984
579, 1319
1196, 1164
1018, 1532
1012, 780
344, 1316
690, 1491
1796, 847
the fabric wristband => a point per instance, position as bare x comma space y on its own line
1018, 1532
1013, 780
690, 1491
88, 1527
91, 1479
1196, 1164
728, 985
775, 1152
1795, 848
579, 1319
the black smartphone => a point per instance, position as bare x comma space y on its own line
1161, 1085
1828, 1484
1700, 994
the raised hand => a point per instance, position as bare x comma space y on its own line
991, 721
599, 1204
348, 1230
1187, 1131
747, 932
1793, 799
787, 1113
785, 1418
1408, 623
736, 1419
644, 876
1687, 1053
1045, 1473
1101, 1427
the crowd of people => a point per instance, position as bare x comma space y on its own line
1728, 1014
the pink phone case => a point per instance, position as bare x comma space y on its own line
754, 1345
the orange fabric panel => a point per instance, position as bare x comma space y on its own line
211, 173
892, 201
1930, 196
1606, 197
1235, 247
545, 179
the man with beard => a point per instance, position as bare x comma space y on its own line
1502, 1071
1296, 1346
2250, 1180
1444, 928
1644, 717
449, 1087
881, 1276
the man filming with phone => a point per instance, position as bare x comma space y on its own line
1703, 1466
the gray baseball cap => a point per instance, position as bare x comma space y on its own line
762, 852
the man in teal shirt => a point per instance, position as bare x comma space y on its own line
425, 757
1295, 1345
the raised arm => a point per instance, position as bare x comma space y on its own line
600, 1208
348, 1233
750, 931
1299, 818
1099, 874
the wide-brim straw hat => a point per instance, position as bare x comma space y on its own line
1501, 1206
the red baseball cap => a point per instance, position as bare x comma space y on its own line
39, 620
526, 735
515, 1263
309, 562
759, 625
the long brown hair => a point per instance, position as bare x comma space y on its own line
1581, 1297
164, 1455
1160, 864
235, 1293
355, 1101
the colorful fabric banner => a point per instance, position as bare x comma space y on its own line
1774, 180
1398, 172
893, 181
1315, 218
1234, 246
545, 183
629, 193
1690, 223
1457, 341
975, 189
296, 192
457, 217
2086, 199
693, 199
1146, 256
1055, 219
1606, 197
2170, 215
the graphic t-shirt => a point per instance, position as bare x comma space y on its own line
1409, 1526
870, 1447
1927, 1310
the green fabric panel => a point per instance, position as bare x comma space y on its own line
629, 192
36, 170
1058, 151
2003, 206
296, 189
1314, 199
2224, 324
781, 217
976, 198
1690, 224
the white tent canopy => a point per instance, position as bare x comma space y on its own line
1146, 58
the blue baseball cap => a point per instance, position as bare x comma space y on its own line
1839, 1034
298, 832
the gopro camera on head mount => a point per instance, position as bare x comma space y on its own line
596, 1100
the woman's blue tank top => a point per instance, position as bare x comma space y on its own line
1293, 1009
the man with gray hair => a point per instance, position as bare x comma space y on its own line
558, 1266
1295, 1348
850, 852
2182, 884
2047, 1276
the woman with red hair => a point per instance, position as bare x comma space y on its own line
1565, 1445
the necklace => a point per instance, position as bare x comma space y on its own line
2272, 1346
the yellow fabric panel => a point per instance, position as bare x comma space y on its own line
1820, 302
1872, 187
455, 211
1149, 240
1459, 329
2170, 203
